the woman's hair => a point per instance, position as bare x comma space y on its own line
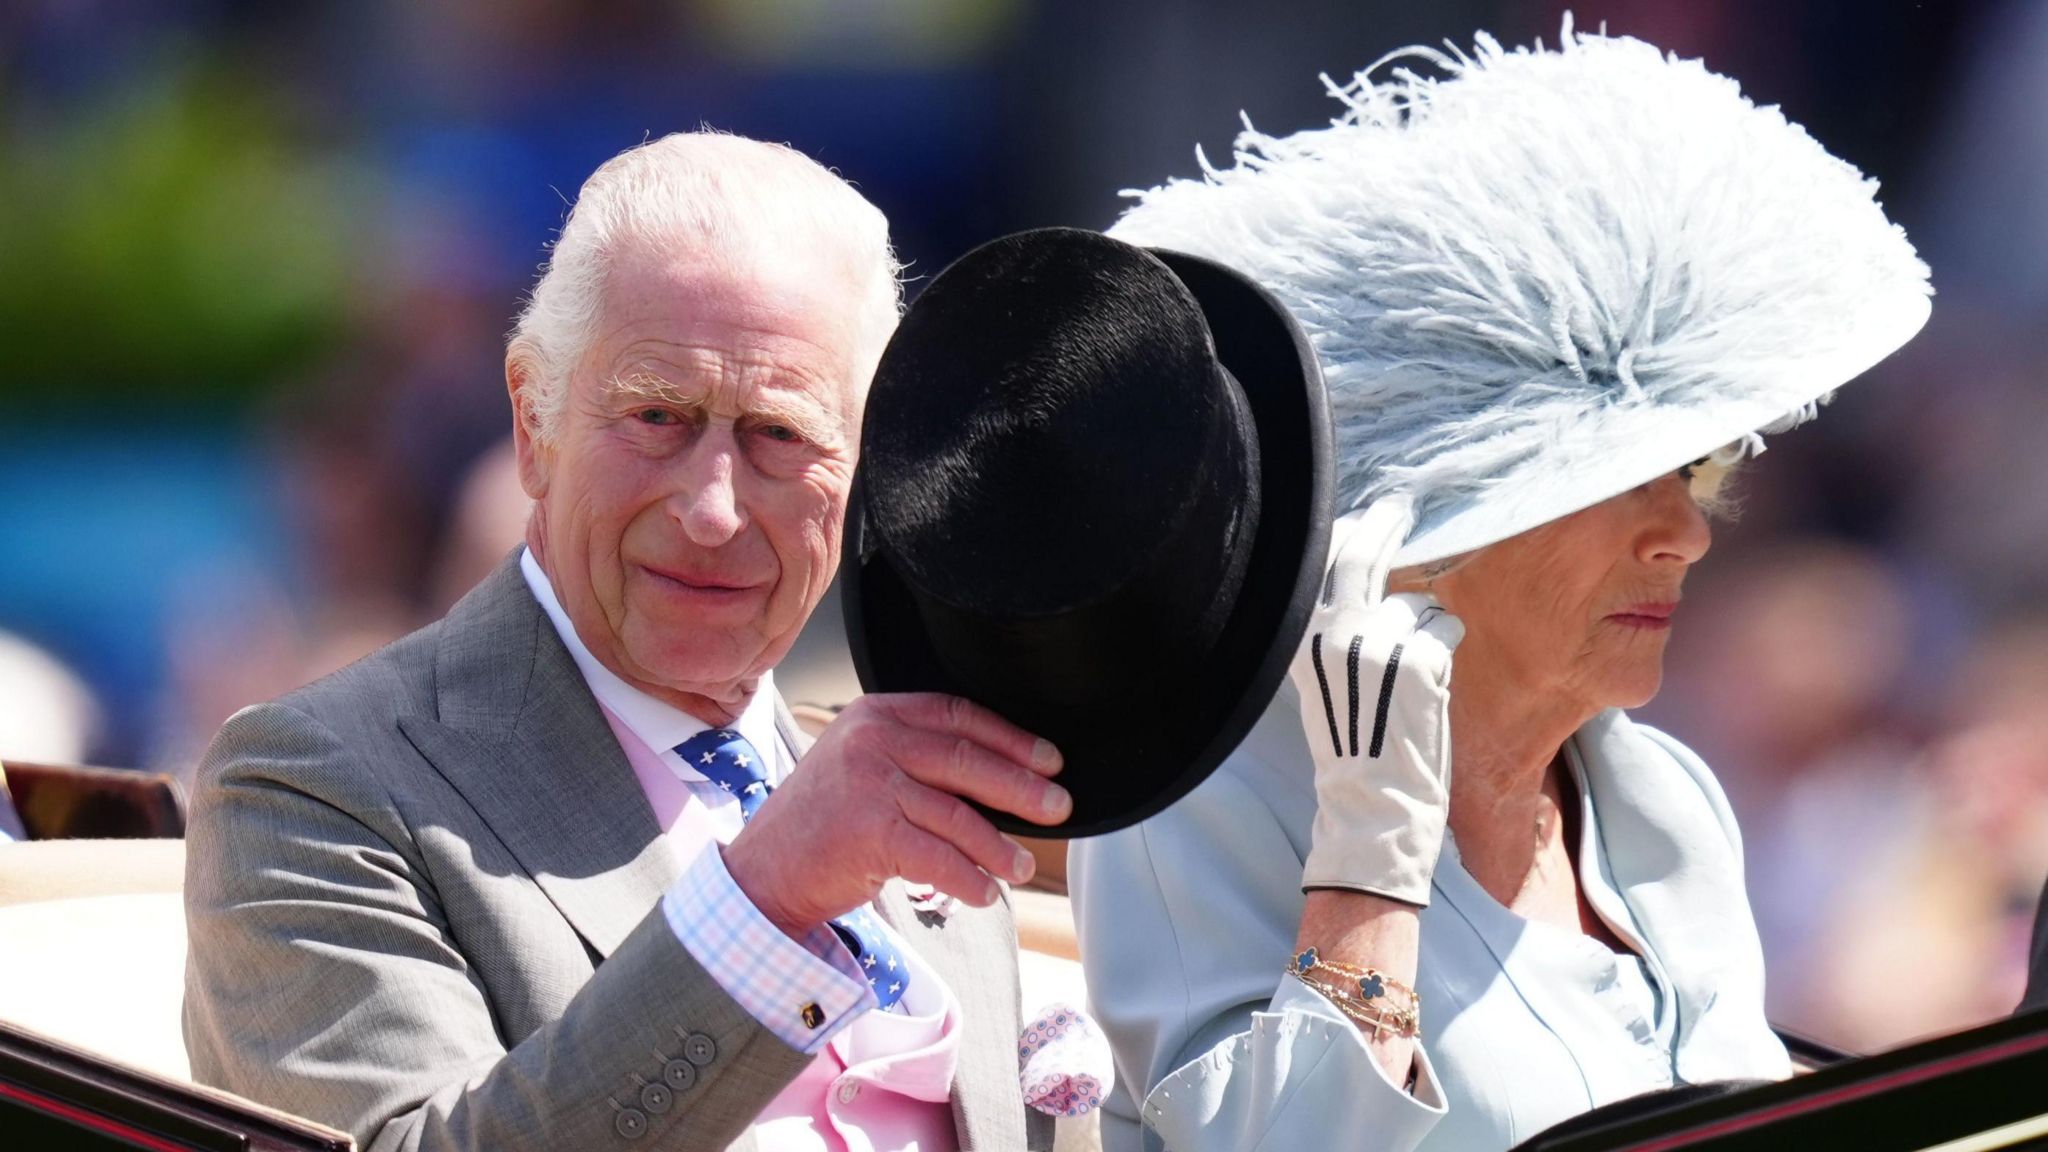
1709, 476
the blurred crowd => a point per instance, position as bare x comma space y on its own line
259, 261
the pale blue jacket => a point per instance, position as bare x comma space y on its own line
1188, 919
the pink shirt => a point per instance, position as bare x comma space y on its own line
883, 1082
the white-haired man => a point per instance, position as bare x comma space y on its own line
540, 875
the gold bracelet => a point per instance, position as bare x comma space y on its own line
1361, 993
1378, 1018
1373, 983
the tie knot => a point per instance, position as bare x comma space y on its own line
727, 759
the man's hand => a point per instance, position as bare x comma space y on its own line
884, 793
1374, 676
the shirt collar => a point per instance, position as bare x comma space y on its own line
658, 724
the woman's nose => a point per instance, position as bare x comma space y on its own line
1678, 530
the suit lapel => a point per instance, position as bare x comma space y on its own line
519, 734
975, 952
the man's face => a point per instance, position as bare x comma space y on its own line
689, 505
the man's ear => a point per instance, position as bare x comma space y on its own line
536, 456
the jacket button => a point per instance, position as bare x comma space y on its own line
679, 1074
699, 1049
656, 1098
631, 1123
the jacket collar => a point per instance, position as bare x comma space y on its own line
1675, 856
1667, 843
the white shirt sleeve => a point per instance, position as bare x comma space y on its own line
802, 991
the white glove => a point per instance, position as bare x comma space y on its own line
1374, 677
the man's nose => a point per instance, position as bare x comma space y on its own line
706, 503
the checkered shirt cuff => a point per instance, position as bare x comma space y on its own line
802, 991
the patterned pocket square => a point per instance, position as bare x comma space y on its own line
1066, 1064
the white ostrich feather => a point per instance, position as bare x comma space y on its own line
1530, 265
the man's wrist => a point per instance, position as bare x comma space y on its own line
753, 877
802, 990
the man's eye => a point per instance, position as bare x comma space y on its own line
780, 432
660, 416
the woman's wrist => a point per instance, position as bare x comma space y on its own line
1387, 1023
1350, 930
1369, 997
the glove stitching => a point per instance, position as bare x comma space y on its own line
1329, 707
1357, 642
1379, 724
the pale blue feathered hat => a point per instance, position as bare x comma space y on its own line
1548, 277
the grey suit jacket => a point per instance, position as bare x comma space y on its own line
423, 904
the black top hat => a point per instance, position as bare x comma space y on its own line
1094, 495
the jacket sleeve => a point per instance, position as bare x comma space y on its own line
1299, 1073
323, 979
1186, 922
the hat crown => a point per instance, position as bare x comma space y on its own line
1161, 643
1037, 374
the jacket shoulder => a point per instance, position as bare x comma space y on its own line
337, 738
396, 676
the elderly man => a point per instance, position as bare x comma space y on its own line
548, 873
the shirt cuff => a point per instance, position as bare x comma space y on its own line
802, 991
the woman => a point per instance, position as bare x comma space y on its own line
1556, 295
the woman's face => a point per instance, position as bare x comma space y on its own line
1580, 608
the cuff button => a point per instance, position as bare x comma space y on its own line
656, 1098
813, 1016
679, 1075
631, 1123
699, 1049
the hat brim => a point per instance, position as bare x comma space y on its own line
1121, 776
1613, 450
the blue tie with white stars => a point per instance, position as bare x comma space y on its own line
728, 760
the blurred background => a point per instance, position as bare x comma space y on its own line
257, 261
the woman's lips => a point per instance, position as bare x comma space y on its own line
1654, 616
